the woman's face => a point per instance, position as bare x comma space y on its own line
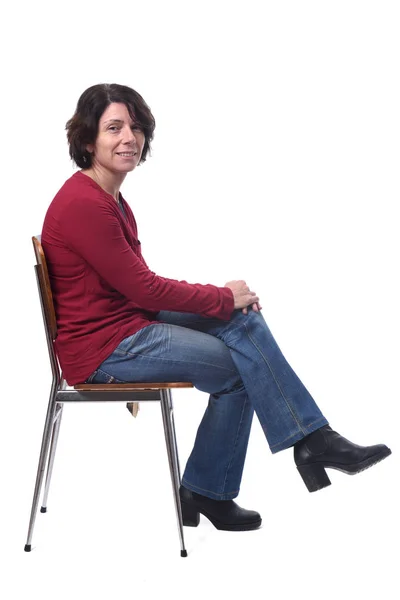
119, 143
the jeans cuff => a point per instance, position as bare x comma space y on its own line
299, 435
208, 493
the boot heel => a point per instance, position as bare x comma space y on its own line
190, 516
314, 476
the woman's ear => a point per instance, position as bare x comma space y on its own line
90, 148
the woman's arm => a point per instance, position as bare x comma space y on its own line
92, 230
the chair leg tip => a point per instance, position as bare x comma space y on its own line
43, 509
183, 553
28, 548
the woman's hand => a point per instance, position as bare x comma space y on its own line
243, 297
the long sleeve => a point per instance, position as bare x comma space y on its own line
93, 230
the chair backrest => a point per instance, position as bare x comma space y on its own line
49, 314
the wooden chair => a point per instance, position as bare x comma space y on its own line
60, 393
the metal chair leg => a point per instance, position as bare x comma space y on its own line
53, 448
171, 413
48, 428
170, 440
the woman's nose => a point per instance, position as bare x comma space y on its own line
129, 135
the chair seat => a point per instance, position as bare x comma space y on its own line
107, 387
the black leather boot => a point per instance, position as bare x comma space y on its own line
223, 514
325, 448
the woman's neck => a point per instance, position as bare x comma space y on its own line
109, 182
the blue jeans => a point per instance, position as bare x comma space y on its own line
240, 365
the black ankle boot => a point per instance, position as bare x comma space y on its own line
325, 448
223, 514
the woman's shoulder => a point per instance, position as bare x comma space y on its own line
79, 184
77, 190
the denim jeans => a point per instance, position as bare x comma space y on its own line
240, 365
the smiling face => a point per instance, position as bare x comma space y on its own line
119, 143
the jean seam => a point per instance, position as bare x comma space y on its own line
111, 378
173, 361
276, 382
234, 446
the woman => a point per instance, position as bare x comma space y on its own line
119, 322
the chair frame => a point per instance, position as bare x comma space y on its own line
61, 393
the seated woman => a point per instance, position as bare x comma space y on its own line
120, 322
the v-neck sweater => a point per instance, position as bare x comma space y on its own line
102, 288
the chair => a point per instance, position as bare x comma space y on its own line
60, 394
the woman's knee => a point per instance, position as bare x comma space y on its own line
253, 319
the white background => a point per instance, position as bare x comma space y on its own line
276, 160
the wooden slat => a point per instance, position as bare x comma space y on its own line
45, 287
107, 387
133, 408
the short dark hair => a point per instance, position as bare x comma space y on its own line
82, 128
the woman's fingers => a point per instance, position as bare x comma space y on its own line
255, 306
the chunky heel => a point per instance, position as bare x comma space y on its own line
314, 476
191, 517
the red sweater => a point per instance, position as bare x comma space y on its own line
103, 290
